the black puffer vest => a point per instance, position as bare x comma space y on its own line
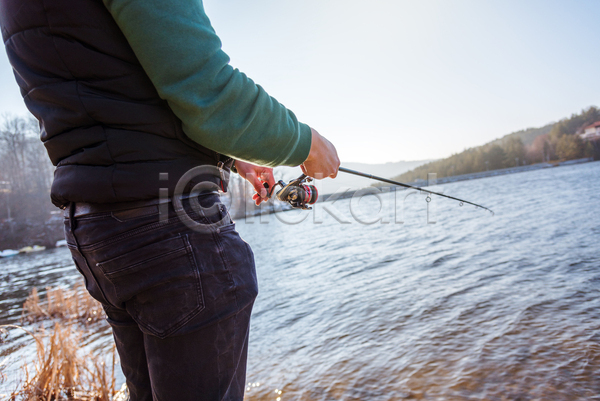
105, 128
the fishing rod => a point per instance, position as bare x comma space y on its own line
373, 177
299, 193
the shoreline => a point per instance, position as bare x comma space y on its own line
463, 177
510, 170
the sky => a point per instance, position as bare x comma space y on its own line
395, 80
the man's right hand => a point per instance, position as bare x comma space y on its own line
322, 160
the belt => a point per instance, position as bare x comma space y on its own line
83, 209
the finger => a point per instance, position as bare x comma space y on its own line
258, 187
257, 199
337, 168
268, 182
269, 178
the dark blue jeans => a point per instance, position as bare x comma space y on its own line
178, 299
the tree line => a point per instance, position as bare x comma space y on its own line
555, 142
26, 213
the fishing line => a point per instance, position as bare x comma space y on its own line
373, 177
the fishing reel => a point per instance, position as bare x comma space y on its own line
298, 193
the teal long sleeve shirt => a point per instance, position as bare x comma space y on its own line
220, 107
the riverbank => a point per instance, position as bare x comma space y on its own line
511, 170
17, 234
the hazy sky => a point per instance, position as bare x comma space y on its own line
404, 80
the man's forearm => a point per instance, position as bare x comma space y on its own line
220, 107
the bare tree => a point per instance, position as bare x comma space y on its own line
25, 177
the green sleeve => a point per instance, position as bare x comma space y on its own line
220, 107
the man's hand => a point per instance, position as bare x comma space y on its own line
322, 160
256, 175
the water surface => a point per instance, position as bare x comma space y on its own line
475, 306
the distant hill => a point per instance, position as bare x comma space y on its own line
527, 136
552, 142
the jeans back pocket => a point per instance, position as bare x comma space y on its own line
159, 284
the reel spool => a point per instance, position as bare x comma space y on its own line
298, 193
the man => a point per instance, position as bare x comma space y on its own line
131, 95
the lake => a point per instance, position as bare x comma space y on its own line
369, 299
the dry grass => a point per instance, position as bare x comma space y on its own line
60, 373
65, 304
60, 369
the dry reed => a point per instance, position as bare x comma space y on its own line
65, 304
60, 370
61, 373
